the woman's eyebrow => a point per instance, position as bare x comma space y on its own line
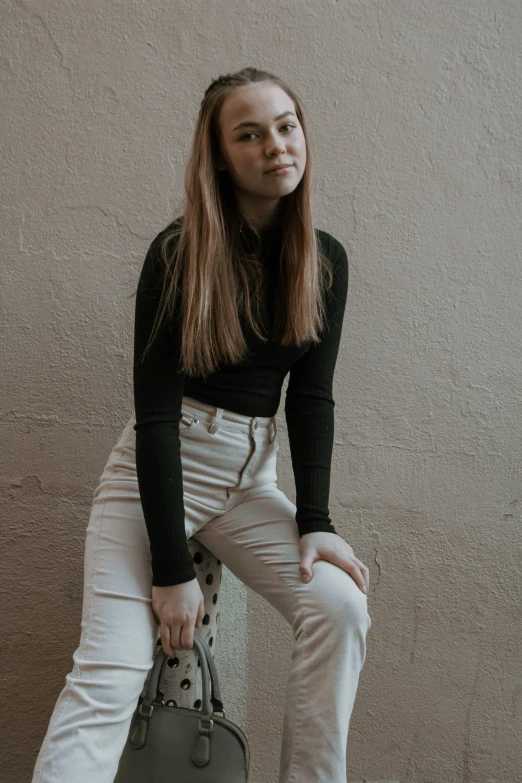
258, 124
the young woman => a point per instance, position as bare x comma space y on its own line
233, 295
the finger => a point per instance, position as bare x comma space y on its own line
166, 642
187, 635
358, 578
175, 640
365, 571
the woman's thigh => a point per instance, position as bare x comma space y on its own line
118, 624
258, 540
118, 570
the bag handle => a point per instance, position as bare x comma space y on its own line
211, 696
213, 692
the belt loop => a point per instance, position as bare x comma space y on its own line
216, 421
274, 429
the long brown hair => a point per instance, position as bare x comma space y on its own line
206, 262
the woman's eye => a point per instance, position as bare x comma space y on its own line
252, 133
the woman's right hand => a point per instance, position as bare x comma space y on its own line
178, 609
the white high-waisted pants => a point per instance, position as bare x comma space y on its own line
234, 508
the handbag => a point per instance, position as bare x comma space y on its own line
181, 745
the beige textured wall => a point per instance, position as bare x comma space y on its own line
415, 108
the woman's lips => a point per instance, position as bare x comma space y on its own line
281, 171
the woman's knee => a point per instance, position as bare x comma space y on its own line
340, 598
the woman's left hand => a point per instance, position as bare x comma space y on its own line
322, 545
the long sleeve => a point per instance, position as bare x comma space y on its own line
158, 394
309, 408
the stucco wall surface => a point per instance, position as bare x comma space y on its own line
415, 112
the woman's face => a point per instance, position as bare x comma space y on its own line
263, 140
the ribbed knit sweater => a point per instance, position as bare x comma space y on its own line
252, 387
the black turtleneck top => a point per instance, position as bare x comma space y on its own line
252, 388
